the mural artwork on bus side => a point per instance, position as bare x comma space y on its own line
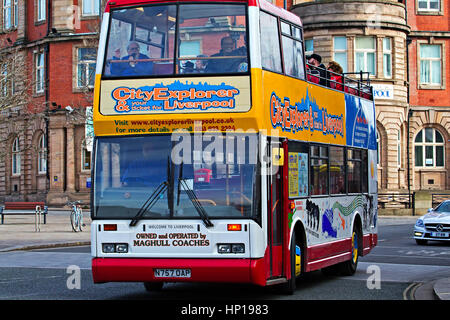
323, 220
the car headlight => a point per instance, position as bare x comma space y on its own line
419, 223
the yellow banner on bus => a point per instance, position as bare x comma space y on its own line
303, 111
168, 95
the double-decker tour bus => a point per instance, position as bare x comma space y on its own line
216, 157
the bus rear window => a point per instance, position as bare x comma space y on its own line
161, 40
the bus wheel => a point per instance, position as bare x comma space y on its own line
295, 259
348, 268
153, 286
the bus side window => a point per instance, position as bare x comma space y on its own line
270, 43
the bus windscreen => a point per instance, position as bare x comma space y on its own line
130, 171
161, 40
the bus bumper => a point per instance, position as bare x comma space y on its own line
202, 270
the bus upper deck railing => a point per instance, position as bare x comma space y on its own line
359, 87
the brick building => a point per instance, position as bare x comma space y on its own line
429, 96
45, 155
403, 45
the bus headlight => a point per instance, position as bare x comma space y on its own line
122, 248
238, 248
231, 248
108, 247
224, 248
115, 247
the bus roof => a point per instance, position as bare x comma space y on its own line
263, 4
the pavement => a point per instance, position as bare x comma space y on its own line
19, 233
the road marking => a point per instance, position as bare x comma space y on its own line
409, 292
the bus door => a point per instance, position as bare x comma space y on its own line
275, 208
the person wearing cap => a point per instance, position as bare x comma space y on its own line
317, 68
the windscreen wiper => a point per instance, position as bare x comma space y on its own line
197, 205
150, 202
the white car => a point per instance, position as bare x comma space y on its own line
435, 225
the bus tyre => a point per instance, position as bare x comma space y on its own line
290, 285
153, 286
348, 268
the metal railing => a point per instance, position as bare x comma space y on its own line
437, 198
359, 87
396, 200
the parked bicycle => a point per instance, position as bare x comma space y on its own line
76, 215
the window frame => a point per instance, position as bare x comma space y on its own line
432, 86
312, 46
423, 144
278, 40
86, 63
84, 152
344, 67
41, 10
42, 154
387, 52
92, 7
283, 35
7, 20
428, 10
16, 157
365, 52
39, 72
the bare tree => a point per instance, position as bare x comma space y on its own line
17, 112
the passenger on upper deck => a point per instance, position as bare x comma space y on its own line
335, 75
134, 64
200, 65
221, 65
316, 69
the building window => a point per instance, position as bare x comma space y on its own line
378, 148
16, 13
429, 148
91, 8
10, 14
7, 14
41, 10
4, 80
428, 5
309, 46
42, 155
15, 151
430, 64
86, 67
40, 72
86, 159
365, 54
387, 57
399, 149
340, 52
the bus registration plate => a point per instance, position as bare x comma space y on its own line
172, 273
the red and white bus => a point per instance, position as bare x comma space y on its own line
215, 159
